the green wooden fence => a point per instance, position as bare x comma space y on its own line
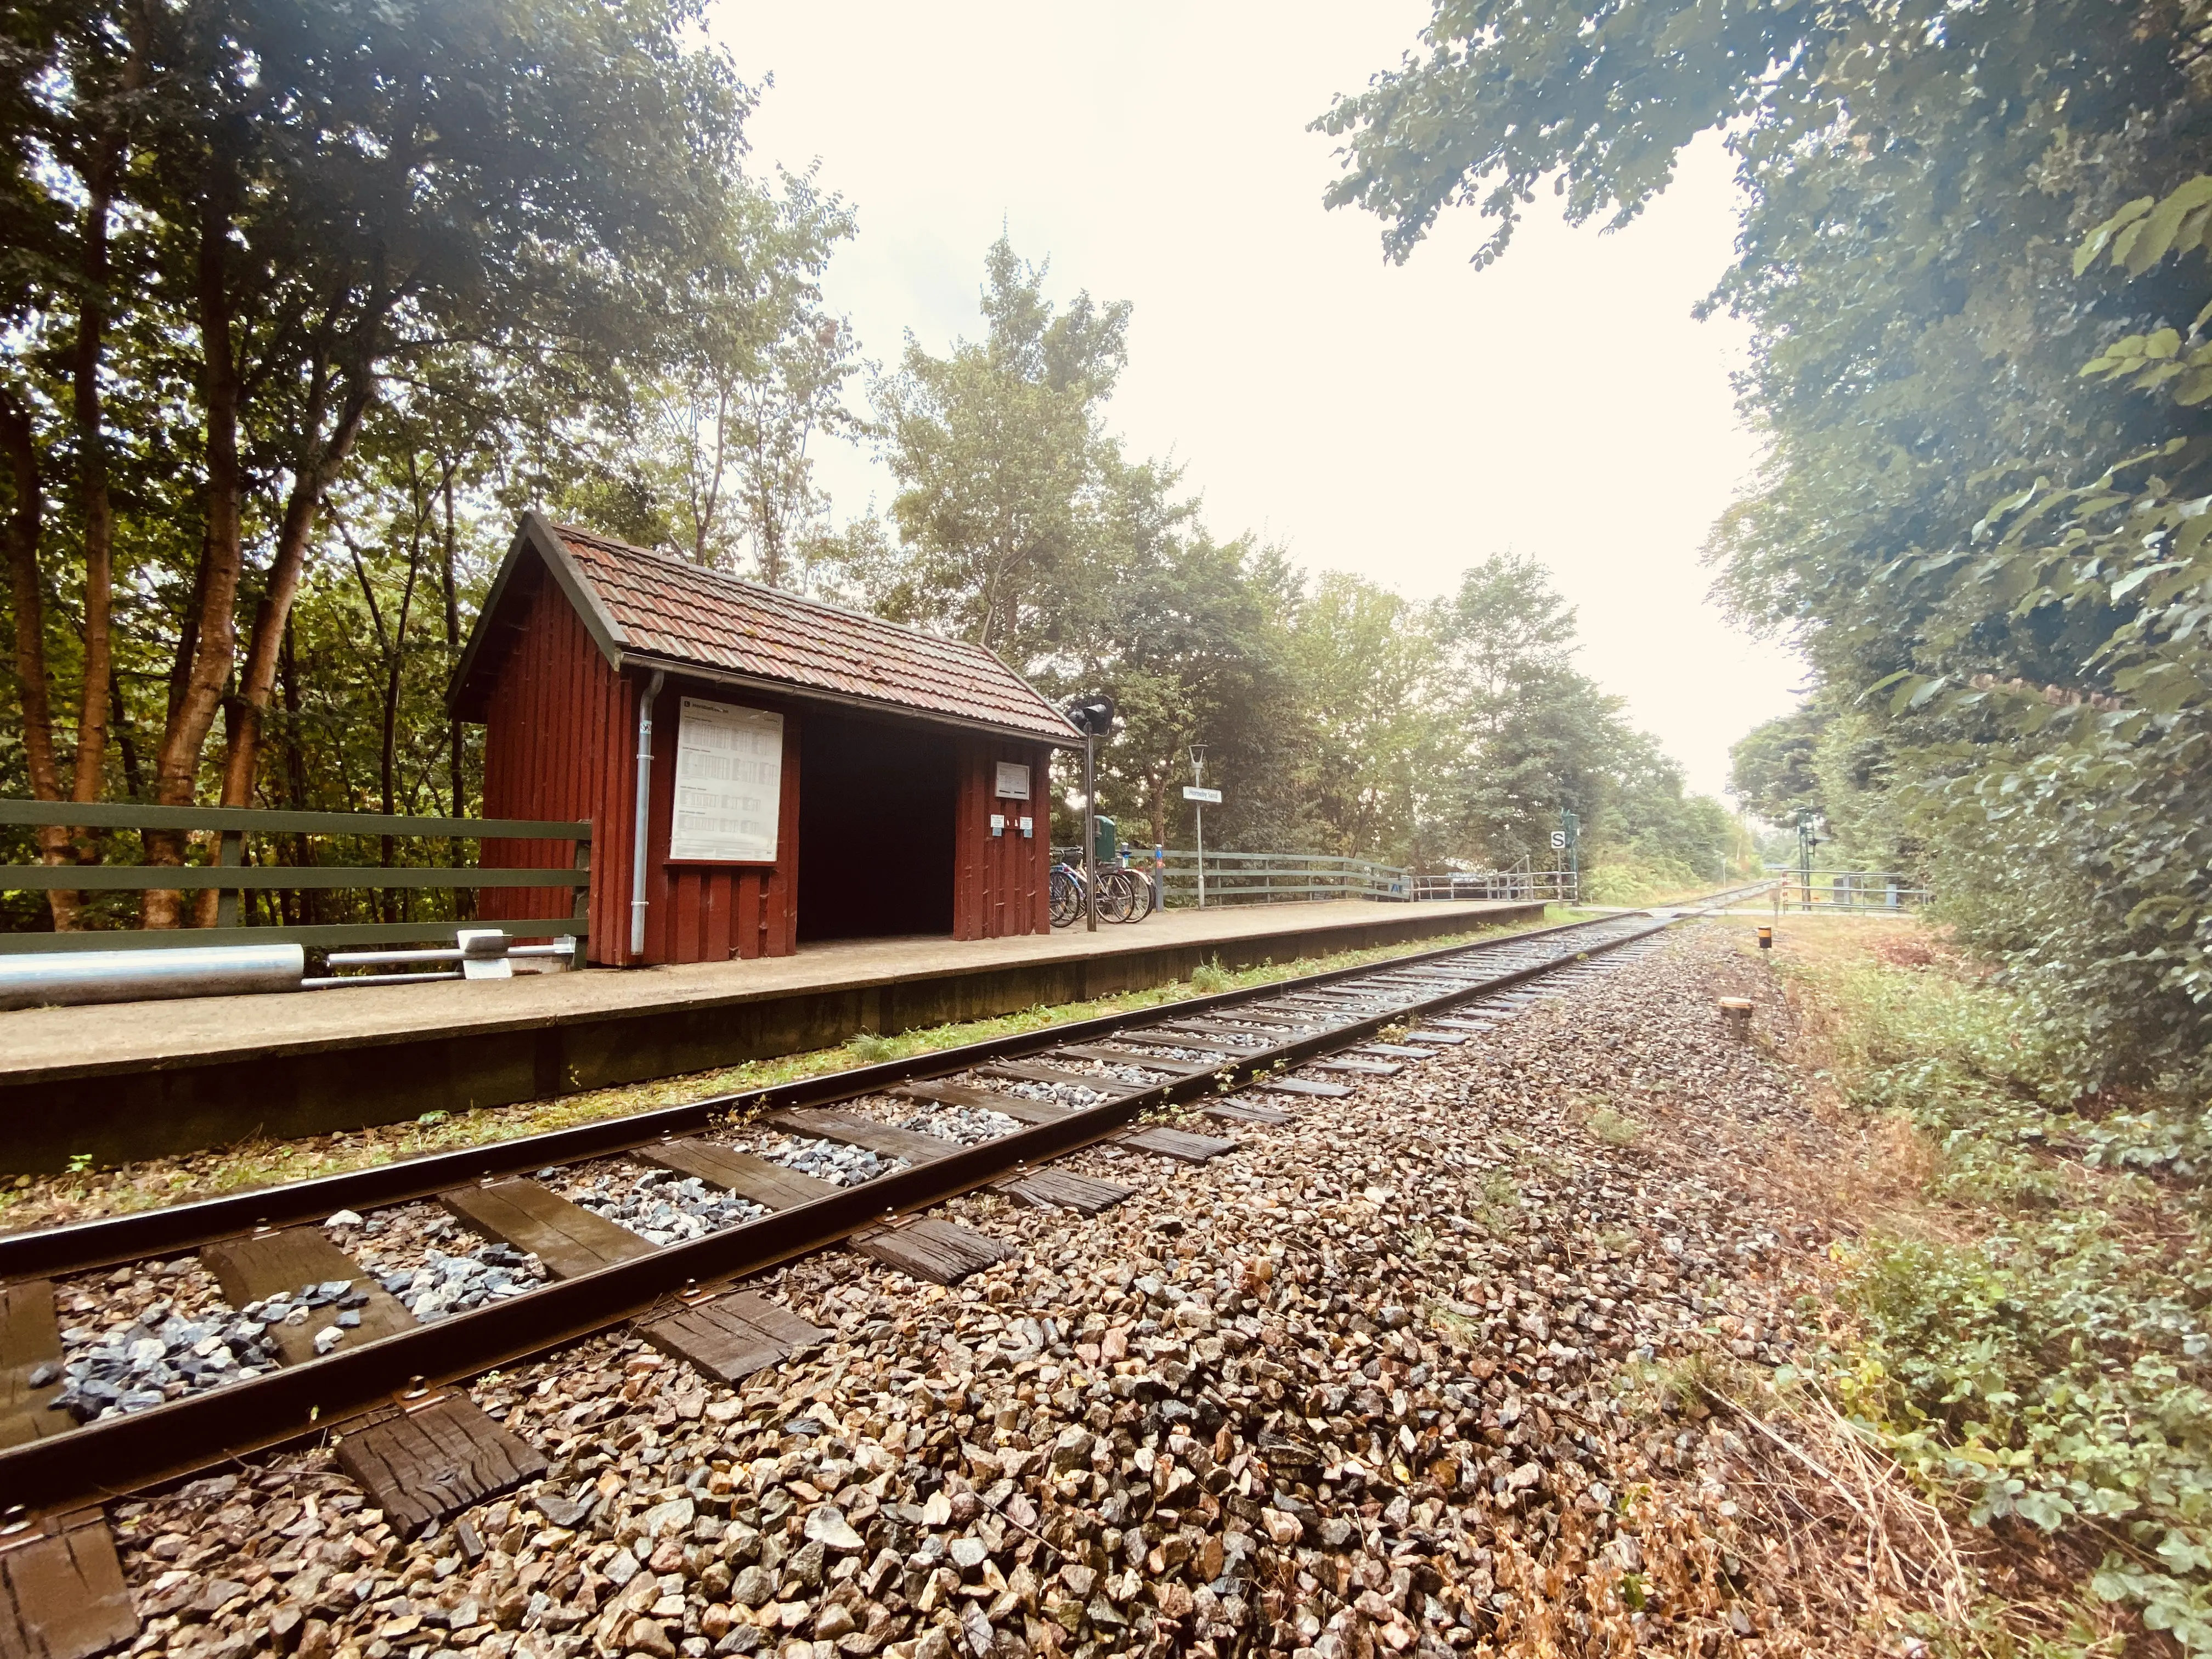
229, 875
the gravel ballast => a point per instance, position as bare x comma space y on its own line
1396, 1377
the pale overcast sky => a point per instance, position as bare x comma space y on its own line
1401, 422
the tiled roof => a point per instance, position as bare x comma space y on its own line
668, 608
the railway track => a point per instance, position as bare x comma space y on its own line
1245, 1059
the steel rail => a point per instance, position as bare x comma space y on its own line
120, 1454
107, 1457
82, 1246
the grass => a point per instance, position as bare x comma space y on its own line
1614, 1128
2024, 1299
84, 1192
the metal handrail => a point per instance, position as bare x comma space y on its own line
1562, 885
1884, 890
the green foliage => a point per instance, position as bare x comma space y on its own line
1209, 977
2046, 1360
872, 1049
458, 259
1613, 1128
1337, 716
1638, 881
1972, 257
1770, 768
722, 438
999, 453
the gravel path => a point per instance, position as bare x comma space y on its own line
1404, 1376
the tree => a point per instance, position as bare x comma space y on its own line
762, 373
1365, 656
1770, 768
1528, 732
999, 453
1183, 633
1917, 179
317, 198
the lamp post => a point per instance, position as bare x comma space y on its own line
1094, 718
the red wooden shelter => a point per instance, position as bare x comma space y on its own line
809, 772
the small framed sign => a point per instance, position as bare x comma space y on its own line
1013, 781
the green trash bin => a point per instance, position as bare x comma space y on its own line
1106, 847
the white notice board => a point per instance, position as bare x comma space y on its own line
1013, 782
729, 783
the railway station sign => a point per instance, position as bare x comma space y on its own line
1204, 797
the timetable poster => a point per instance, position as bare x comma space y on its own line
729, 784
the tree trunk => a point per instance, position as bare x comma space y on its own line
300, 905
98, 526
457, 752
319, 462
26, 592
394, 674
119, 724
204, 650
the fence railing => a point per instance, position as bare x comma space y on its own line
1263, 878
1510, 886
1845, 890
1280, 879
228, 873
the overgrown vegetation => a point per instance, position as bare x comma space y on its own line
2027, 1328
1972, 257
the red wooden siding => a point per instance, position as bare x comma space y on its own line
1000, 881
560, 733
713, 912
561, 742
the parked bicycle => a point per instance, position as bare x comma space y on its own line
1123, 894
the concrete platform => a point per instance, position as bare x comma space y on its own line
134, 1081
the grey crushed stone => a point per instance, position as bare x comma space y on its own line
1328, 1395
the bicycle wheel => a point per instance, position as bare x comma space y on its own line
1066, 898
1140, 894
1117, 895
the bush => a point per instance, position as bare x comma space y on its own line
1633, 880
2047, 1362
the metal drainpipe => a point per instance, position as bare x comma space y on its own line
644, 815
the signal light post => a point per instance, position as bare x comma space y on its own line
1094, 718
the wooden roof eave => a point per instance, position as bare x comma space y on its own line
679, 668
464, 700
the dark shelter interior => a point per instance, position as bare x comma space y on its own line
876, 808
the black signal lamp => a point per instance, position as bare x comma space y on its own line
1092, 716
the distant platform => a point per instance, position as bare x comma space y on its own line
122, 1081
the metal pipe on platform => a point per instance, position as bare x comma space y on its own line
216, 971
338, 981
637, 852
